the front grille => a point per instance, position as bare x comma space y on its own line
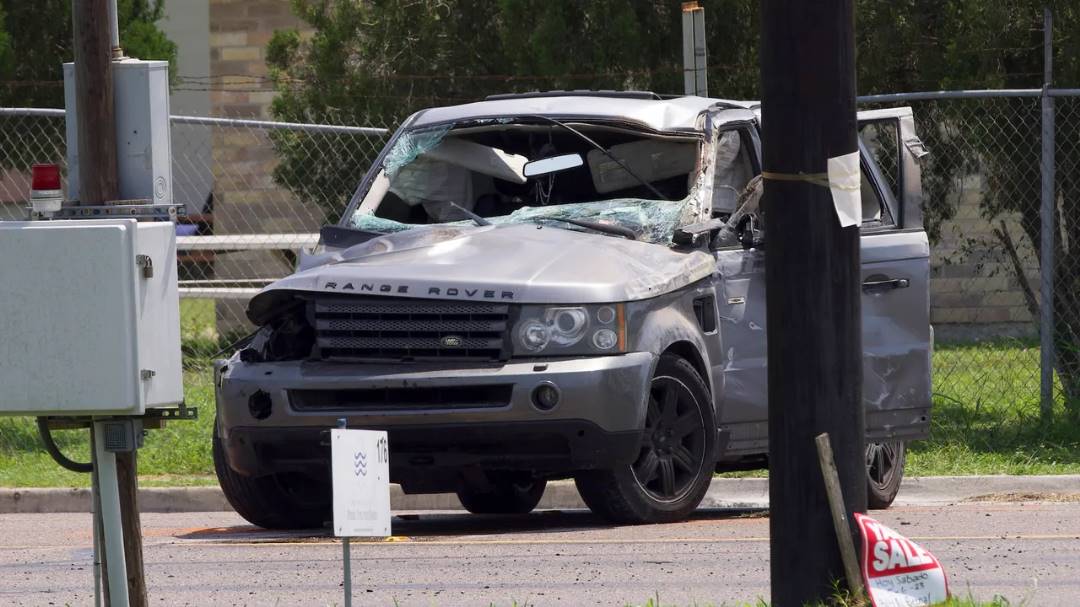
402, 399
364, 328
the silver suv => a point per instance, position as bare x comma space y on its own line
561, 285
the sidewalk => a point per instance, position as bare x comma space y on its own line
562, 495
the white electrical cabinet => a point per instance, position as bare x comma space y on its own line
141, 98
89, 317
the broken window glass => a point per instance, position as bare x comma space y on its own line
652, 220
412, 145
441, 176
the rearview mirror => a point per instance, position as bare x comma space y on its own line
553, 164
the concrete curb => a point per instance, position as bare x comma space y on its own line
724, 493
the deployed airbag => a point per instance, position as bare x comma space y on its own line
650, 159
489, 161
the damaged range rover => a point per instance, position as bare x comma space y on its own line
552, 286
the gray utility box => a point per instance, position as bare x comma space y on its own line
89, 317
141, 97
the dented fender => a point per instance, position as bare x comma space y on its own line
656, 325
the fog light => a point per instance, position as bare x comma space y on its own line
546, 396
259, 405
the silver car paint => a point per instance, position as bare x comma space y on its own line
536, 264
606, 390
668, 115
658, 284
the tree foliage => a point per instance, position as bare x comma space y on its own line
375, 62
35, 41
7, 56
39, 39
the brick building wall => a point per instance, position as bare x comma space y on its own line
974, 290
239, 33
246, 199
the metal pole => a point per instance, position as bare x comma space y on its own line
1046, 248
95, 497
110, 519
346, 546
346, 555
700, 55
694, 55
114, 32
689, 85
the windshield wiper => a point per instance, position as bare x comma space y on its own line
604, 151
605, 228
478, 220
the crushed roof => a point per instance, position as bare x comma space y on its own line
678, 113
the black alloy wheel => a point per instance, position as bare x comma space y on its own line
884, 471
674, 465
674, 448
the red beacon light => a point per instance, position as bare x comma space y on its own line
46, 195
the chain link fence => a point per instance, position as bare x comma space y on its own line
983, 200
262, 190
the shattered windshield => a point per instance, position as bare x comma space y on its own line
639, 180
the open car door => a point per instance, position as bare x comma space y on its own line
897, 338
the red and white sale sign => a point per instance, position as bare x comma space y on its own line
897, 571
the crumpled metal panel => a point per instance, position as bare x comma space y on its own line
679, 113
515, 263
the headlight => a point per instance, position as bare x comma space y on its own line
569, 330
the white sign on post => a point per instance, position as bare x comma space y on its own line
360, 470
897, 571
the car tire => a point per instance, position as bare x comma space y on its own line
884, 471
276, 501
502, 496
676, 459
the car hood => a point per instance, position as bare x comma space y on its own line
519, 263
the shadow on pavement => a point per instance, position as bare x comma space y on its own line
422, 525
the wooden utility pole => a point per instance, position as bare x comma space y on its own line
94, 100
95, 39
813, 291
127, 478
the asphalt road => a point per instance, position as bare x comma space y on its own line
1018, 550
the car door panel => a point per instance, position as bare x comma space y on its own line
741, 308
896, 333
895, 320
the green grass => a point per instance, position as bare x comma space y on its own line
985, 420
178, 455
198, 329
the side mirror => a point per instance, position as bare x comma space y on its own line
553, 164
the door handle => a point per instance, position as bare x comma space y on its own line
877, 286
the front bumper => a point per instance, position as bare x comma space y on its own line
271, 414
